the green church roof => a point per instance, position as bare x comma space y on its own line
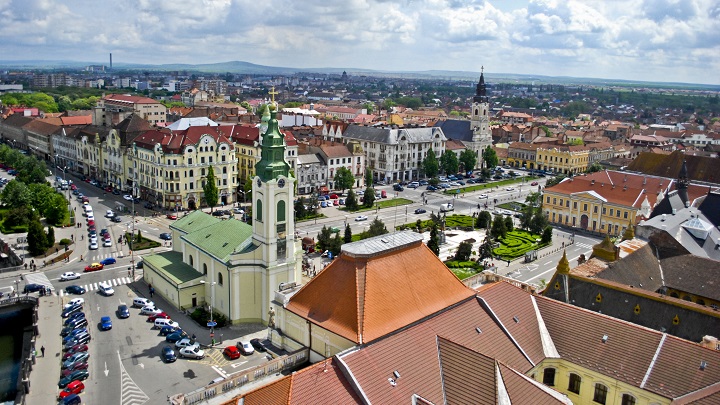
194, 221
222, 238
272, 156
172, 266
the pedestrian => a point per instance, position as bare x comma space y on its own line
42, 350
72, 237
25, 266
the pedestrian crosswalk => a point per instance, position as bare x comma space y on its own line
94, 286
38, 278
99, 257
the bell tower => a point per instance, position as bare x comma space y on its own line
480, 119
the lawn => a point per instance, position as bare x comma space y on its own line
512, 206
311, 217
10, 229
452, 221
464, 270
516, 244
484, 186
143, 244
381, 203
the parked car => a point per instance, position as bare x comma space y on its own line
192, 352
107, 243
94, 267
73, 388
166, 236
184, 342
175, 336
75, 301
245, 347
69, 275
74, 289
534, 183
123, 312
109, 260
77, 323
168, 354
171, 216
483, 196
128, 197
150, 310
79, 357
77, 375
258, 345
82, 338
32, 287
161, 315
142, 302
116, 219
398, 187
71, 310
231, 352
361, 218
167, 330
510, 189
105, 323
74, 349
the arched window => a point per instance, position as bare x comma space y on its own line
628, 399
220, 281
204, 269
224, 169
191, 173
281, 211
574, 384
549, 377
600, 395
258, 210
191, 260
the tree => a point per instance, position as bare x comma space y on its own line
369, 197
546, 235
324, 238
418, 225
336, 244
16, 194
247, 190
344, 179
54, 209
509, 224
486, 248
490, 158
347, 238
534, 199
210, 189
539, 221
595, 167
138, 239
430, 164
368, 178
527, 215
468, 160
463, 251
434, 242
300, 211
50, 237
351, 201
498, 227
483, 219
377, 227
36, 238
449, 162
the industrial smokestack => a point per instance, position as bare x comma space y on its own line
110, 60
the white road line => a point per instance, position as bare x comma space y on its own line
545, 264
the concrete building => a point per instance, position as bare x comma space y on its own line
114, 108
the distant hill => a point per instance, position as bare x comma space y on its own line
241, 67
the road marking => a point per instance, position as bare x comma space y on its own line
130, 393
545, 264
106, 369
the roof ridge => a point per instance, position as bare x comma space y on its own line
360, 283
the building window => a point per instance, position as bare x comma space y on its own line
604, 210
281, 211
220, 280
611, 211
191, 260
204, 269
258, 210
600, 395
575, 205
628, 399
595, 209
585, 207
574, 384
549, 377
625, 214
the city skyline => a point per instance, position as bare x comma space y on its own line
648, 40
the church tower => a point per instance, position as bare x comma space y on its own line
480, 119
273, 222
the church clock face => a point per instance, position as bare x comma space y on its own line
281, 183
259, 182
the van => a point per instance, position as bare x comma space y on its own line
8, 291
87, 208
159, 323
105, 289
446, 207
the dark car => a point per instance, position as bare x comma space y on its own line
175, 336
71, 310
420, 211
70, 329
116, 219
168, 354
76, 334
105, 323
74, 367
431, 188
166, 330
123, 312
75, 349
30, 288
116, 192
218, 213
258, 345
148, 205
398, 187
82, 338
78, 375
165, 236
79, 357
74, 289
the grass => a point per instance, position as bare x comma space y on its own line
311, 217
462, 274
464, 270
485, 186
454, 220
515, 244
143, 244
512, 206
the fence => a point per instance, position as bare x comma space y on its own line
277, 365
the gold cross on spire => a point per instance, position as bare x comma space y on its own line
272, 94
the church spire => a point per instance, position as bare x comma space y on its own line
682, 184
272, 156
563, 266
481, 89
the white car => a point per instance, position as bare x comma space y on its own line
150, 310
107, 243
109, 214
192, 352
360, 192
93, 239
128, 197
510, 189
361, 218
238, 211
483, 196
186, 342
75, 301
90, 216
143, 302
70, 275
93, 245
105, 289
245, 347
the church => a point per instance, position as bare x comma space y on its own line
232, 266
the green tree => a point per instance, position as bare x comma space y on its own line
485, 249
509, 224
595, 167
490, 158
50, 237
210, 189
468, 160
498, 227
463, 251
546, 235
483, 219
418, 225
534, 199
527, 215
370, 107
430, 164
323, 238
434, 242
377, 227
344, 179
54, 209
36, 238
336, 244
369, 197
247, 190
351, 201
138, 238
539, 221
368, 178
16, 194
449, 162
300, 211
348, 234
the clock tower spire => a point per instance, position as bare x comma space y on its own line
480, 119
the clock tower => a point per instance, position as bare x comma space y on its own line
480, 119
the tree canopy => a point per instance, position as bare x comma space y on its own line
468, 159
210, 189
490, 158
344, 179
449, 162
430, 164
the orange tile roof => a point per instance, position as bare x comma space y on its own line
375, 294
77, 120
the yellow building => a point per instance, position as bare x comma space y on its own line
88, 144
563, 159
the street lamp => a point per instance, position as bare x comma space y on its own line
211, 324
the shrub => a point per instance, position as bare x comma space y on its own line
201, 316
65, 241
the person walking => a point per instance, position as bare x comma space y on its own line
42, 350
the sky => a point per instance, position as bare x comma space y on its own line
649, 40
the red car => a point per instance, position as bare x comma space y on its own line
74, 387
108, 189
75, 367
75, 349
73, 187
94, 267
232, 352
534, 183
91, 222
161, 315
171, 216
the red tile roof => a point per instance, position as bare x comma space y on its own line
127, 99
77, 120
176, 141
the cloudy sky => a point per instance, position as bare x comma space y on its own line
654, 40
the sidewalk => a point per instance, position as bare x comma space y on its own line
46, 371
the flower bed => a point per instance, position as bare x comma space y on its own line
516, 244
